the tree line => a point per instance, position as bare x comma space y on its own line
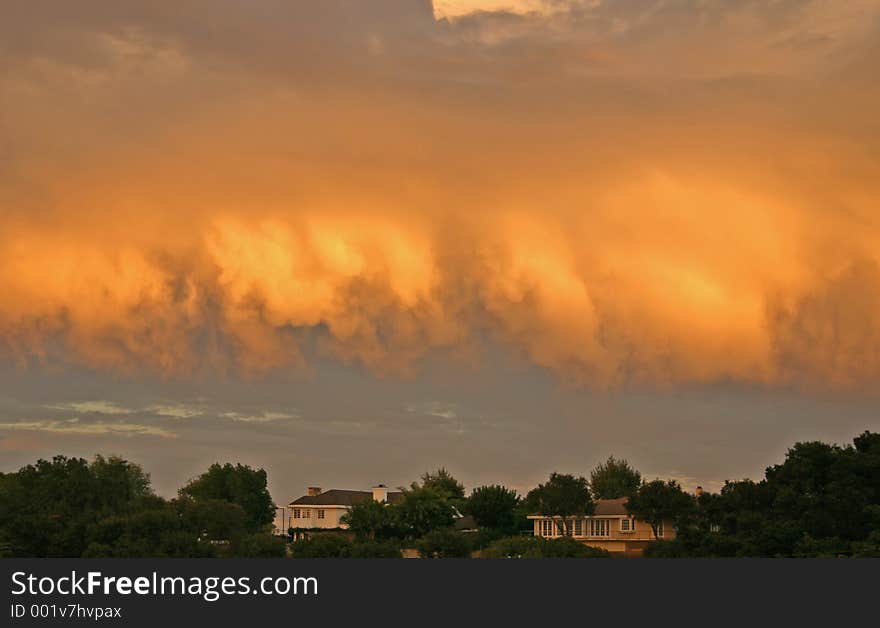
822, 500
70, 507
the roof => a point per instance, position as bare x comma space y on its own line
342, 497
611, 506
606, 508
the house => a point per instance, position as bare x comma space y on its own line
610, 527
323, 509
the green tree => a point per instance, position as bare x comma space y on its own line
493, 507
154, 528
660, 501
48, 508
423, 509
373, 520
444, 543
562, 497
614, 478
443, 482
238, 484
213, 519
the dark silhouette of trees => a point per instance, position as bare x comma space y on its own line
236, 484
563, 496
658, 501
614, 478
493, 507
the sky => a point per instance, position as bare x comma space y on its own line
350, 241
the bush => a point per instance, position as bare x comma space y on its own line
566, 547
260, 545
537, 547
666, 549
374, 549
444, 543
321, 546
869, 548
486, 536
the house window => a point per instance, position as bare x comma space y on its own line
307, 513
627, 525
599, 527
714, 527
660, 529
320, 514
578, 527
546, 527
296, 513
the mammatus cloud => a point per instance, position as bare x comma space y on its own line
574, 184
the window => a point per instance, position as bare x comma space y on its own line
599, 527
627, 525
546, 528
714, 527
560, 528
296, 513
320, 514
578, 527
660, 529
307, 513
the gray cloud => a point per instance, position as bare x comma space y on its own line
165, 109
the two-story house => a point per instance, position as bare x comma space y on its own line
610, 527
323, 509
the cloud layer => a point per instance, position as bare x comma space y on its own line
632, 191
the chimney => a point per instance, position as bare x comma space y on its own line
314, 490
699, 491
380, 493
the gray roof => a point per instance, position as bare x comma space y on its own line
342, 497
611, 506
607, 507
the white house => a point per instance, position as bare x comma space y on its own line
323, 509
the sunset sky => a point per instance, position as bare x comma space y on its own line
351, 240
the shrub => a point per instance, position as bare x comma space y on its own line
260, 545
321, 546
374, 549
444, 543
537, 547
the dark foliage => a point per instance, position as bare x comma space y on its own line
538, 547
823, 500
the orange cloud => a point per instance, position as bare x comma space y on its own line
169, 208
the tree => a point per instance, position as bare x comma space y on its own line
443, 482
659, 501
155, 530
614, 478
493, 507
48, 508
372, 520
213, 519
423, 509
563, 496
240, 485
444, 543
